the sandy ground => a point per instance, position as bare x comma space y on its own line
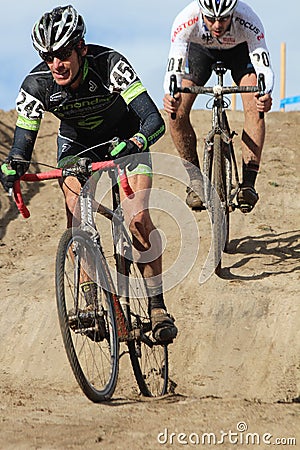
236, 361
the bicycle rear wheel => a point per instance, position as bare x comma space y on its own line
89, 334
149, 359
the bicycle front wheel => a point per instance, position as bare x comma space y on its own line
149, 359
89, 331
218, 202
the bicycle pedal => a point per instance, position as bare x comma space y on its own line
198, 208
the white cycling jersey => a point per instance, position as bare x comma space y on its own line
245, 26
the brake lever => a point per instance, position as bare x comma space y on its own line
173, 90
262, 88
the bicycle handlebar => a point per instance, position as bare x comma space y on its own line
217, 90
59, 173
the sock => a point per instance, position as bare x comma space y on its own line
86, 286
193, 170
250, 172
89, 289
155, 296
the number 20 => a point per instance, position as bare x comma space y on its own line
265, 58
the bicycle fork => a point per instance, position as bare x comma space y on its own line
88, 225
219, 127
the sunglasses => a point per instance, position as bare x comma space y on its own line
62, 54
217, 19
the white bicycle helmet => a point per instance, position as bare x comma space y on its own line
217, 8
61, 27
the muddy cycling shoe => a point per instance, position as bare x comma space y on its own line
247, 198
193, 200
163, 327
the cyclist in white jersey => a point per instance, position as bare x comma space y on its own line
204, 32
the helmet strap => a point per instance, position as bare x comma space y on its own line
81, 60
76, 76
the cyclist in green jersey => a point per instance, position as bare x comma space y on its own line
97, 95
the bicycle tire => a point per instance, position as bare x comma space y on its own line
232, 183
227, 171
149, 359
219, 207
92, 354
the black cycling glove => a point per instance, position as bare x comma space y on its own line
125, 154
11, 170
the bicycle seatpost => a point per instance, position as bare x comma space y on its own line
262, 88
173, 90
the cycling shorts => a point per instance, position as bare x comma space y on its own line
201, 60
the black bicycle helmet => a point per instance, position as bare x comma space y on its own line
217, 8
61, 27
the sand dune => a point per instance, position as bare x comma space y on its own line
237, 356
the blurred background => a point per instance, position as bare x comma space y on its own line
142, 34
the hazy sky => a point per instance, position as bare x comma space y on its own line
141, 32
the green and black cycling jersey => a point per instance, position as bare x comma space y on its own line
110, 101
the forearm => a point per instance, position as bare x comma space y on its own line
152, 124
23, 143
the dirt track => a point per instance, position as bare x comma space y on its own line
237, 356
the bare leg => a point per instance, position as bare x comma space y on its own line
254, 128
147, 242
252, 141
182, 131
185, 141
71, 189
146, 238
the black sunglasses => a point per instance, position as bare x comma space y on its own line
219, 19
62, 54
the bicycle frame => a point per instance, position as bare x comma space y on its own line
221, 128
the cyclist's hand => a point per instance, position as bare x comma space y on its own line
171, 104
263, 103
125, 153
11, 170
